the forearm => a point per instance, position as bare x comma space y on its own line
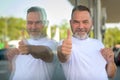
111, 69
11, 64
62, 57
42, 52
11, 55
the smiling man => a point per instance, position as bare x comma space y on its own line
82, 57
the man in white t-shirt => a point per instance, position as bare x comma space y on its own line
84, 58
34, 59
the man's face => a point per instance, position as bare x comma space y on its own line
81, 24
34, 24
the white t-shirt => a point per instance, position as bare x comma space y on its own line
29, 68
86, 61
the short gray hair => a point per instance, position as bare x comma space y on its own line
38, 9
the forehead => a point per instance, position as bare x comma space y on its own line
81, 15
34, 16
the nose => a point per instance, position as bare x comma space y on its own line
33, 25
81, 25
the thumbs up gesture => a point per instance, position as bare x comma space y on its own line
67, 44
23, 46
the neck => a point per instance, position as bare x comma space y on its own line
37, 37
81, 37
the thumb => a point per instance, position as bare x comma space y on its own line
68, 34
21, 42
23, 34
24, 40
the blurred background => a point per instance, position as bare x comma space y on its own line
13, 19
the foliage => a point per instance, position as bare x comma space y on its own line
53, 30
11, 27
63, 30
111, 37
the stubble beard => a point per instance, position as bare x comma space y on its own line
35, 34
80, 34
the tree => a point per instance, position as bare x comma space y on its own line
112, 37
63, 29
11, 27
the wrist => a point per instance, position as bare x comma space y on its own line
62, 53
29, 49
110, 62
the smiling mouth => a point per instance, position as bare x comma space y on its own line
80, 30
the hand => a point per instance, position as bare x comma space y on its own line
67, 44
108, 54
11, 53
23, 48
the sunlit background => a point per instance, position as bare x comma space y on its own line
57, 10
13, 20
13, 16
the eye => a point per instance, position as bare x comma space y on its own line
29, 22
38, 22
75, 22
86, 22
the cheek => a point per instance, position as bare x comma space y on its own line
28, 27
40, 27
88, 28
73, 29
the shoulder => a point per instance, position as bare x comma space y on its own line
51, 41
96, 42
60, 42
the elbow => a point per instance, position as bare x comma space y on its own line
62, 60
45, 58
49, 58
111, 75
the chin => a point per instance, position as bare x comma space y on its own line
81, 36
35, 37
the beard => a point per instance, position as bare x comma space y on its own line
80, 33
35, 34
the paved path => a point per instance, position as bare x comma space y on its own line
4, 72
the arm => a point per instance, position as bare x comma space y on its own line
11, 53
62, 57
64, 51
111, 68
42, 52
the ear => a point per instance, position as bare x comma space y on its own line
70, 21
47, 23
92, 24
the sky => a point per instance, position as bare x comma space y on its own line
57, 10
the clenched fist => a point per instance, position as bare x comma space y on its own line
108, 54
23, 47
11, 53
